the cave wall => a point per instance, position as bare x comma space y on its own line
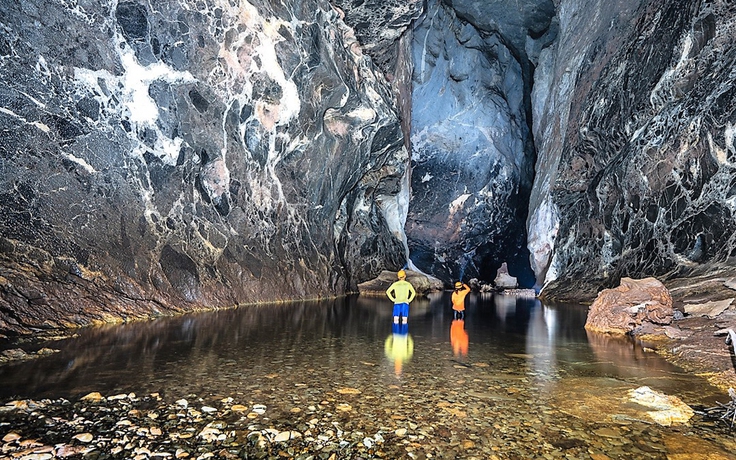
633, 122
472, 149
177, 155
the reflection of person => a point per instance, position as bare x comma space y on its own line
458, 337
401, 293
458, 299
399, 346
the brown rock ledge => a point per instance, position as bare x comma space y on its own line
697, 343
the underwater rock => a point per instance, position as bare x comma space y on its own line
667, 410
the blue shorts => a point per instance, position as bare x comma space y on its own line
401, 309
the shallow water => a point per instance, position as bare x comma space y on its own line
516, 379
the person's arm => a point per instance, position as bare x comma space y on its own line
465, 286
412, 293
389, 293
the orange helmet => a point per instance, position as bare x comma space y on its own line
401, 274
458, 285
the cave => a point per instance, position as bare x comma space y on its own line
295, 150
471, 135
214, 182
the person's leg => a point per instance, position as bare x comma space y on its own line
397, 313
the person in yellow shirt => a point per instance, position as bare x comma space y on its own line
458, 300
401, 293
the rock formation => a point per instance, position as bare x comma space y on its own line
472, 150
422, 283
504, 280
626, 308
633, 114
170, 156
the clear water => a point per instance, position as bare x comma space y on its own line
528, 383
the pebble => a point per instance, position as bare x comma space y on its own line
488, 416
83, 437
93, 397
10, 437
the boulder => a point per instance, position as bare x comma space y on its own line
627, 307
504, 280
423, 284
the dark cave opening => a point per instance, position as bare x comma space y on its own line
473, 154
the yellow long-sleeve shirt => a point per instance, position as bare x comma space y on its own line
401, 292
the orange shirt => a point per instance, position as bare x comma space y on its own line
458, 298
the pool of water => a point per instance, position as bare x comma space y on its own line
515, 379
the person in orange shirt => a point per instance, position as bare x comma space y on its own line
458, 338
458, 300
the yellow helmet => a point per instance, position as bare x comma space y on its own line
401, 274
458, 285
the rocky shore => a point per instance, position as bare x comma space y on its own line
128, 426
696, 338
502, 421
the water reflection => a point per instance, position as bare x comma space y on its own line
540, 343
341, 339
458, 338
505, 306
532, 365
399, 346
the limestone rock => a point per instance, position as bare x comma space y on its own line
676, 333
633, 162
709, 309
667, 410
623, 309
461, 95
504, 280
187, 157
423, 284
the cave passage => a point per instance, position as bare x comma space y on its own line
331, 367
471, 137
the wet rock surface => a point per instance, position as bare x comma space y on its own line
697, 340
632, 305
481, 419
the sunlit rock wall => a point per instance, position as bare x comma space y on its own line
168, 156
634, 125
472, 151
